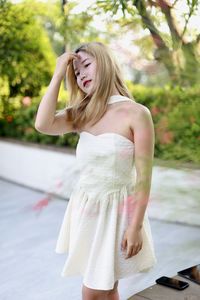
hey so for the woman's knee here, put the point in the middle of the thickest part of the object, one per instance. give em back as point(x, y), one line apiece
point(92, 293)
point(114, 290)
point(89, 293)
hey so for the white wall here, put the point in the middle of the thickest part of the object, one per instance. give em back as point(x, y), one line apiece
point(175, 192)
point(34, 166)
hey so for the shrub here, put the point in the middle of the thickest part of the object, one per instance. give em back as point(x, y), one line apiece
point(175, 114)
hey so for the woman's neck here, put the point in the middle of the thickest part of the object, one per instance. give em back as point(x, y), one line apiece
point(115, 92)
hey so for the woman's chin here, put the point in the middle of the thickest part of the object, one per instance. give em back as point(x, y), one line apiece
point(90, 92)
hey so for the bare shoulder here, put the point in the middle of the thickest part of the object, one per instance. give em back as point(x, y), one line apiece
point(134, 110)
point(138, 108)
point(138, 112)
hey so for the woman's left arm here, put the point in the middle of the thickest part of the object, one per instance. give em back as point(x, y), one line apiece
point(144, 139)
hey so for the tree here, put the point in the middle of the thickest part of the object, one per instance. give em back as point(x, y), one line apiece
point(179, 56)
point(26, 56)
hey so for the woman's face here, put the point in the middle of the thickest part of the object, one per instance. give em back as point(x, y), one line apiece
point(85, 72)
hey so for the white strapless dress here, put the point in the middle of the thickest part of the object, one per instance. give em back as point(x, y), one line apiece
point(97, 213)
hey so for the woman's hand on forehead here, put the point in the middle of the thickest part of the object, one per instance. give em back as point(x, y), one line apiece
point(77, 56)
point(77, 61)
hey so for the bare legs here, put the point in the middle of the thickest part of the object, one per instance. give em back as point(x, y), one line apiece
point(91, 294)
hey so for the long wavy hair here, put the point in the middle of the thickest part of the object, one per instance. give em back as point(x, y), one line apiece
point(83, 108)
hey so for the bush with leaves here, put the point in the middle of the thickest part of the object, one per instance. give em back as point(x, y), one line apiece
point(175, 114)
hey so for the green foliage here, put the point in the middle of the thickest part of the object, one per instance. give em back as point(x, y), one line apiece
point(175, 114)
point(26, 56)
point(177, 53)
point(67, 29)
point(19, 122)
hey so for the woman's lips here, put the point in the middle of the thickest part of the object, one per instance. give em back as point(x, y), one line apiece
point(88, 81)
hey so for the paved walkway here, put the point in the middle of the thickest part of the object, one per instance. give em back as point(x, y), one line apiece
point(30, 269)
point(175, 195)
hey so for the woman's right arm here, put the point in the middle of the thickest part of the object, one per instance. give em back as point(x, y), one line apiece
point(47, 121)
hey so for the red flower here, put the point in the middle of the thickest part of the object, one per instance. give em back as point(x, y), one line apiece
point(167, 137)
point(9, 118)
point(155, 110)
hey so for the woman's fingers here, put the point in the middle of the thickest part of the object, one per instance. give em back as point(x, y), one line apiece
point(123, 244)
point(130, 244)
point(75, 56)
point(132, 250)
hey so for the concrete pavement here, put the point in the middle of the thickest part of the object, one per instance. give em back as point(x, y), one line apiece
point(30, 269)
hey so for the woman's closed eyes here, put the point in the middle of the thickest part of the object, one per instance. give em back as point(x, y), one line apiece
point(79, 72)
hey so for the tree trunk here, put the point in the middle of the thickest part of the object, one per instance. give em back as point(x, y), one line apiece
point(162, 53)
point(181, 62)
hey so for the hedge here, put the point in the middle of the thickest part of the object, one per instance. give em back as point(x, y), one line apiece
point(175, 113)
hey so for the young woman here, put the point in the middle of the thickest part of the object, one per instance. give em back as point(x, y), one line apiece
point(105, 229)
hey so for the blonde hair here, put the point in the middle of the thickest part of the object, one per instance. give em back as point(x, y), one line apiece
point(82, 108)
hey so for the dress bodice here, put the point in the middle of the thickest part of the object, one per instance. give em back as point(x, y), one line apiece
point(105, 160)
